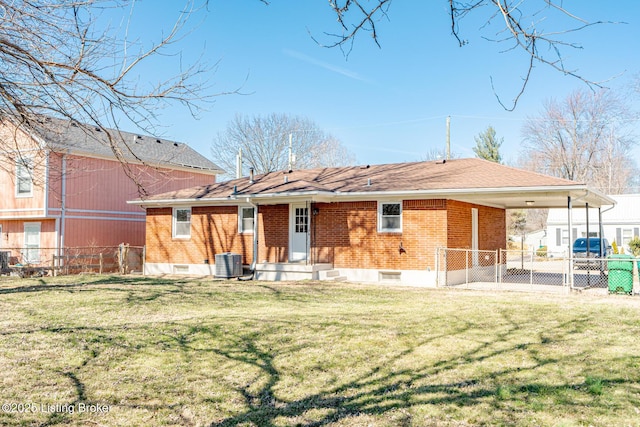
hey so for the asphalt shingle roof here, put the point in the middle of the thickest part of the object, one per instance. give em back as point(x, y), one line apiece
point(90, 140)
point(456, 174)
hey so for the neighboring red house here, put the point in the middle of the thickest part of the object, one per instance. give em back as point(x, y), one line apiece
point(61, 185)
point(364, 223)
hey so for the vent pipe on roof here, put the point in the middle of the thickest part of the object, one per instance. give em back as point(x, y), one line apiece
point(250, 175)
point(286, 179)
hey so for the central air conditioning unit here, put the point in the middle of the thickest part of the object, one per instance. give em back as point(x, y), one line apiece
point(228, 265)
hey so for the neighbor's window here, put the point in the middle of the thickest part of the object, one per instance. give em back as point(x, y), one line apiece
point(245, 220)
point(390, 217)
point(24, 177)
point(182, 223)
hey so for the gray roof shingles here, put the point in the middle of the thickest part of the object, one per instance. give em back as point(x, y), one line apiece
point(90, 140)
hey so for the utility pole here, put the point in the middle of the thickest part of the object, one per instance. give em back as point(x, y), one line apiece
point(290, 152)
point(448, 137)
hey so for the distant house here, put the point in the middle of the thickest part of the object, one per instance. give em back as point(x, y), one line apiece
point(73, 192)
point(378, 223)
point(620, 223)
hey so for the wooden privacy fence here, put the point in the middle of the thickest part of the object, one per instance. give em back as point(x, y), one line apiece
point(25, 262)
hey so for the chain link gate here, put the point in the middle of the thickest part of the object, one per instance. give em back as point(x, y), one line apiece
point(464, 266)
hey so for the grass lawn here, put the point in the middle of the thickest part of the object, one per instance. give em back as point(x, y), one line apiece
point(135, 351)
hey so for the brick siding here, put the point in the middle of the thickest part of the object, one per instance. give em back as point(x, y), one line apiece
point(344, 234)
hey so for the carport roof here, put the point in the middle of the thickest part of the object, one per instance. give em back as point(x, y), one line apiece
point(471, 180)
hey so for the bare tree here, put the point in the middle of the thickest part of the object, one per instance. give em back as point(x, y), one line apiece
point(264, 141)
point(518, 24)
point(584, 138)
point(58, 60)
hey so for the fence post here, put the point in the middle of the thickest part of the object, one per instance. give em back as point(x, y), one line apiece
point(120, 257)
point(496, 263)
point(144, 260)
point(531, 270)
point(466, 267)
point(101, 262)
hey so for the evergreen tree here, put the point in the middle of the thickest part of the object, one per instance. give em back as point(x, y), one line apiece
point(488, 146)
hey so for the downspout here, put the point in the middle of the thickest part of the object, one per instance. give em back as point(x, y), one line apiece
point(601, 228)
point(63, 203)
point(255, 240)
point(307, 240)
point(46, 185)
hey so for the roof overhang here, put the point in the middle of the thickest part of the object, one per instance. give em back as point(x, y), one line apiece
point(505, 198)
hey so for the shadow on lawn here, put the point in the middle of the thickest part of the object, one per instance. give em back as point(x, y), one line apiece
point(85, 283)
point(383, 390)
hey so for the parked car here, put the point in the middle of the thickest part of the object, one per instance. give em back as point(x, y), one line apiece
point(582, 256)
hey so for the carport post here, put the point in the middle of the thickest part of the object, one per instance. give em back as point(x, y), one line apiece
point(569, 212)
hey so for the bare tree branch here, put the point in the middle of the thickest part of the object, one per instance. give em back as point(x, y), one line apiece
point(58, 60)
point(518, 22)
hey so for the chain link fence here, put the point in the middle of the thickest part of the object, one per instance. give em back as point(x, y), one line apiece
point(522, 270)
point(463, 266)
point(35, 261)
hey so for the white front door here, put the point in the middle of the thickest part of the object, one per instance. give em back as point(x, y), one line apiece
point(298, 232)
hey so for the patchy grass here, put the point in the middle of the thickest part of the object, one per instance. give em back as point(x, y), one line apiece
point(209, 353)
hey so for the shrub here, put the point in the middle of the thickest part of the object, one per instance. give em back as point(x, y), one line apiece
point(634, 245)
point(542, 251)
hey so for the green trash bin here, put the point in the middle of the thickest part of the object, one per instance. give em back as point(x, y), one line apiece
point(620, 268)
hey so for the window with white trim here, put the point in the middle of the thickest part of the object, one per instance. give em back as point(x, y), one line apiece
point(24, 177)
point(181, 223)
point(245, 219)
point(390, 217)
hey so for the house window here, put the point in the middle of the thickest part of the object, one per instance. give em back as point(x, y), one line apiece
point(182, 223)
point(301, 218)
point(390, 217)
point(24, 177)
point(245, 220)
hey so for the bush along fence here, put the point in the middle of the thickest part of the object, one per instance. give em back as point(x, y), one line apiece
point(34, 261)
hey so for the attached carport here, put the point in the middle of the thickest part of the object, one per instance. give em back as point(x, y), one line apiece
point(569, 197)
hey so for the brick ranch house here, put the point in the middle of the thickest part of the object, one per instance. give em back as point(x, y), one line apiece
point(362, 223)
point(61, 185)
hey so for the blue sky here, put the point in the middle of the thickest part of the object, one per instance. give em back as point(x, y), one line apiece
point(385, 104)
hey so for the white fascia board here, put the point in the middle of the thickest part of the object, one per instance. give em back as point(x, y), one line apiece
point(185, 202)
point(577, 191)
